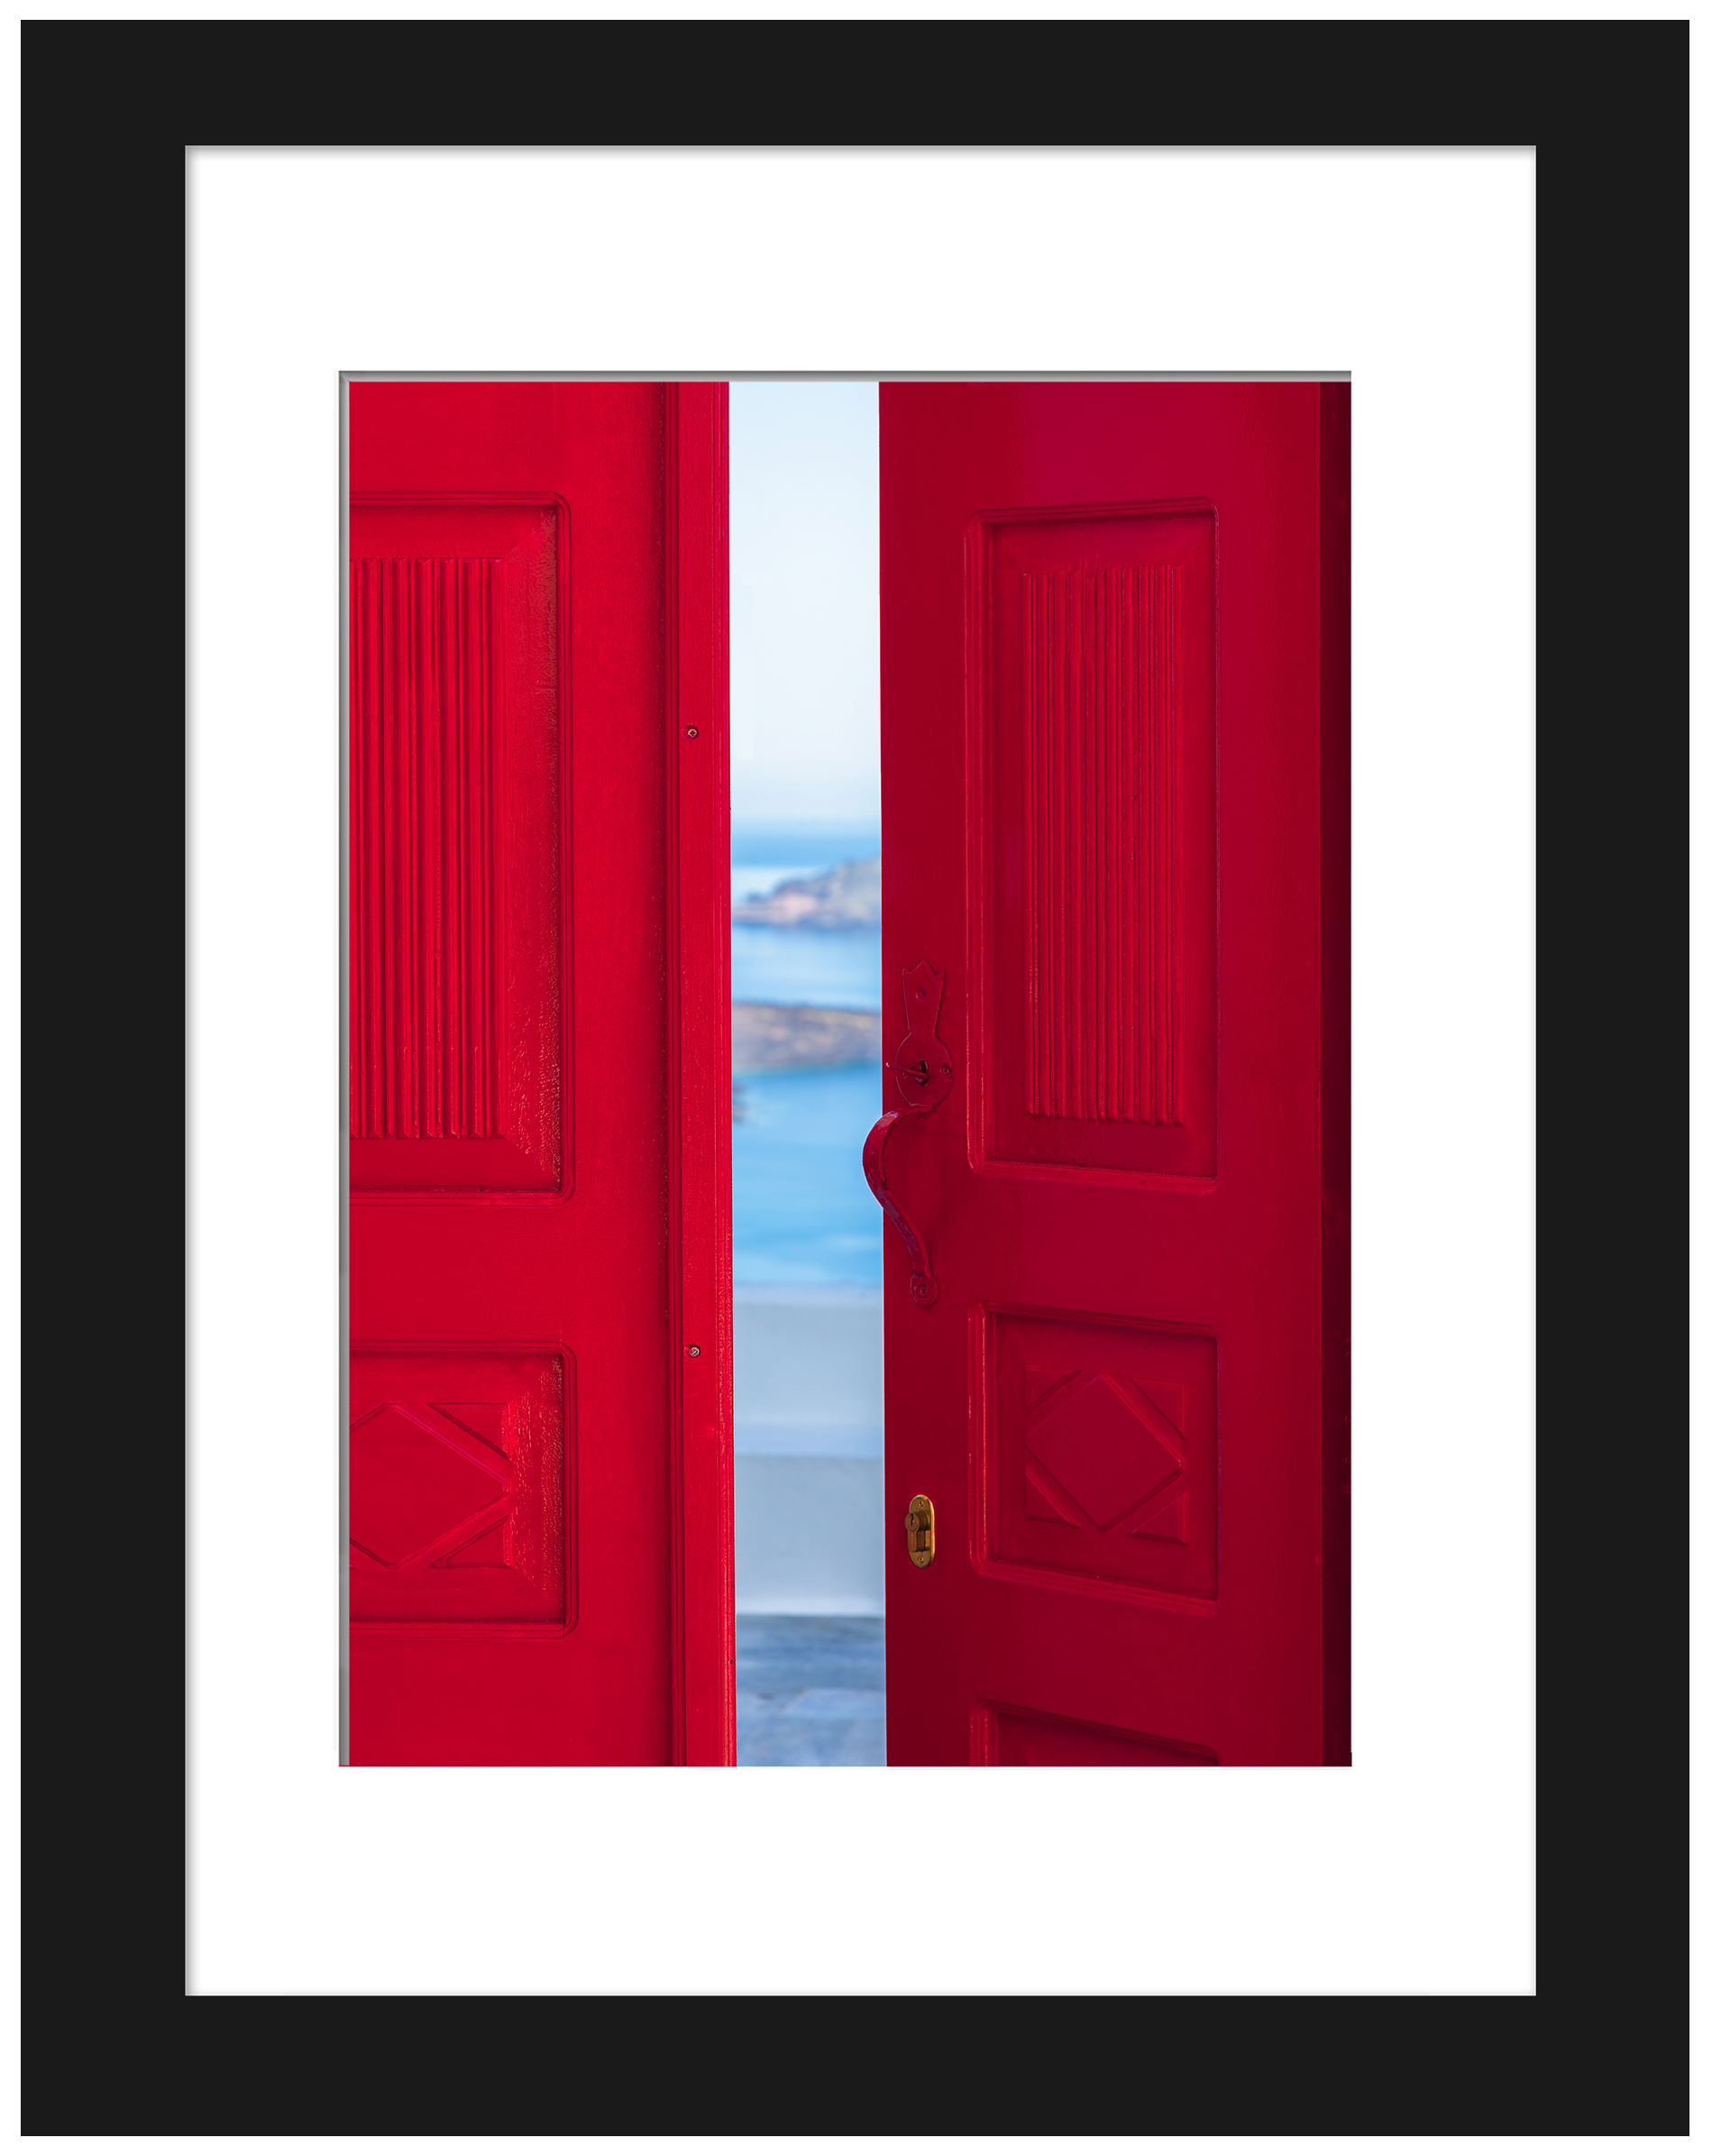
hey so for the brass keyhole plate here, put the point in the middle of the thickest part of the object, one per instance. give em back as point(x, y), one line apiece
point(917, 1530)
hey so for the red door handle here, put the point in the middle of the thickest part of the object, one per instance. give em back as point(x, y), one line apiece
point(924, 1288)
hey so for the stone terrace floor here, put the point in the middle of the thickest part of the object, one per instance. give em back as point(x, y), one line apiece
point(810, 1692)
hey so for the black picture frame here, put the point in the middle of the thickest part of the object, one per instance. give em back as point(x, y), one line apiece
point(111, 2043)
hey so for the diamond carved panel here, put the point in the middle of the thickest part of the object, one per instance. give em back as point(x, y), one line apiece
point(1099, 1455)
point(1101, 1442)
point(461, 1487)
point(412, 1487)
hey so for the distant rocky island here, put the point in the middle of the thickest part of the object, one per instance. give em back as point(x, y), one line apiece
point(766, 1036)
point(846, 897)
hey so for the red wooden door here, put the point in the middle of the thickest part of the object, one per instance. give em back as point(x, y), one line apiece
point(1114, 742)
point(539, 1454)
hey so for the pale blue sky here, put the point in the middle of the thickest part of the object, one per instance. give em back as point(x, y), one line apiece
point(805, 602)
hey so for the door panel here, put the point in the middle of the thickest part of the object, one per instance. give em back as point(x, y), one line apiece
point(457, 884)
point(1114, 702)
point(1090, 640)
point(462, 1482)
point(537, 858)
point(1005, 1737)
point(1097, 1465)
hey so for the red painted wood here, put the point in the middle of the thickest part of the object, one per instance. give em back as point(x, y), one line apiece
point(540, 1471)
point(1114, 740)
point(698, 1066)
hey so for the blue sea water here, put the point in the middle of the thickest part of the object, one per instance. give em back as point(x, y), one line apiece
point(836, 966)
point(801, 1210)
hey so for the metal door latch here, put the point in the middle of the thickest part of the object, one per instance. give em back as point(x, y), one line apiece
point(917, 1530)
point(922, 1065)
point(921, 1062)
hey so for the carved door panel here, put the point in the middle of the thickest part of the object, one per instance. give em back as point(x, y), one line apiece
point(1114, 728)
point(539, 1494)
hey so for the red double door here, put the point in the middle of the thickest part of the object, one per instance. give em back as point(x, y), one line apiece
point(1114, 682)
